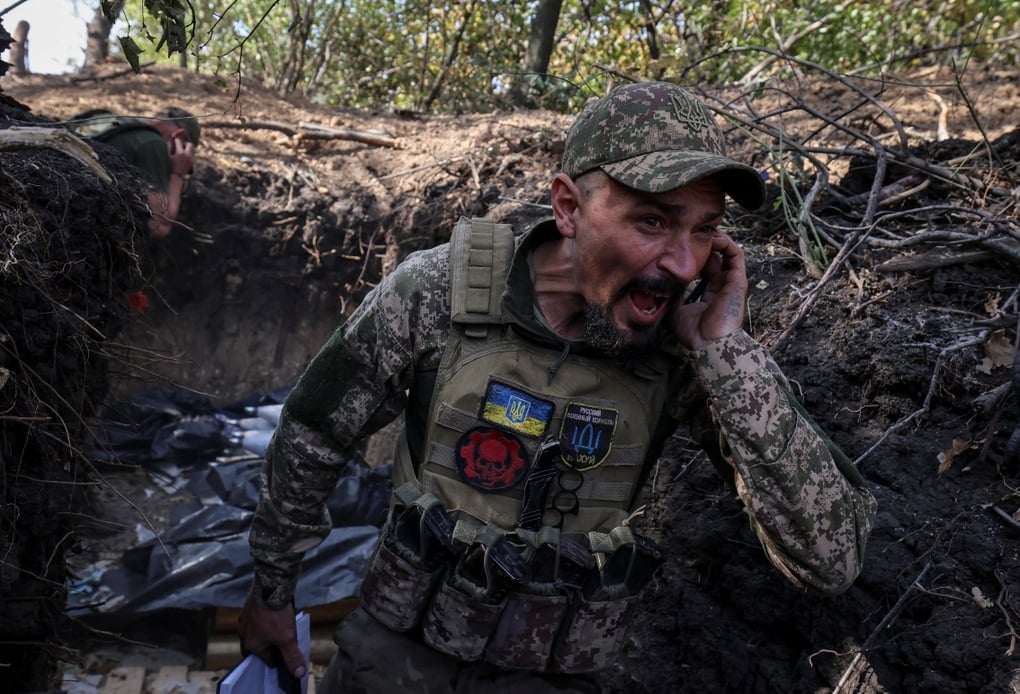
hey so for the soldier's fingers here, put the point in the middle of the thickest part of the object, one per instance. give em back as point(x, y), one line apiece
point(293, 658)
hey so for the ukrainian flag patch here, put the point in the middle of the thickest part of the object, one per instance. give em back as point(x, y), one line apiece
point(516, 410)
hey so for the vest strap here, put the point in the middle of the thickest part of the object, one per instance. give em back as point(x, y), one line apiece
point(480, 254)
point(411, 494)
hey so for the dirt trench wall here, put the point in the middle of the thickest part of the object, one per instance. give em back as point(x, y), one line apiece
point(245, 291)
point(263, 268)
point(68, 257)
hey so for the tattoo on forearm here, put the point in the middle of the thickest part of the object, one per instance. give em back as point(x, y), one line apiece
point(736, 304)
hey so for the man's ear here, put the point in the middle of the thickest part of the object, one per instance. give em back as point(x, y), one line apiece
point(566, 199)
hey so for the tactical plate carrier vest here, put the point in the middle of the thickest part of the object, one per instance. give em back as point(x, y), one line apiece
point(509, 543)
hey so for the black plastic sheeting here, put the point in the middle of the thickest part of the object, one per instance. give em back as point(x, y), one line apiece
point(170, 425)
point(203, 560)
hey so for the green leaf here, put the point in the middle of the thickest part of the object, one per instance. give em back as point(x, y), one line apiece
point(131, 52)
point(111, 9)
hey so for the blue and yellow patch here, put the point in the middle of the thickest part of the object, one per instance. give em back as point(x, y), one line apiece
point(516, 410)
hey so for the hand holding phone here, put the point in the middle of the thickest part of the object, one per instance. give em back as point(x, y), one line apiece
point(715, 306)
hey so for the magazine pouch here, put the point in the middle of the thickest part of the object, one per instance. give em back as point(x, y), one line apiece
point(593, 634)
point(466, 608)
point(408, 563)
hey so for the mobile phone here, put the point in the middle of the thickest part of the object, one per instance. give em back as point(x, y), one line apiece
point(697, 291)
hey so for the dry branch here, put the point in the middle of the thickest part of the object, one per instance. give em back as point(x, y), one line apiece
point(1001, 603)
point(895, 192)
point(930, 260)
point(830, 272)
point(322, 132)
point(310, 131)
point(252, 125)
point(785, 46)
point(975, 221)
point(424, 167)
point(110, 76)
point(882, 625)
point(932, 387)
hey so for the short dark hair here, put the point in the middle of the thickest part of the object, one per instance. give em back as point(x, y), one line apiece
point(591, 181)
point(184, 119)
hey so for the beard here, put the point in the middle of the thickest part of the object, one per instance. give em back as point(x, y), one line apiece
point(603, 334)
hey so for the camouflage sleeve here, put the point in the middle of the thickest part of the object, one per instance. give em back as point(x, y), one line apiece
point(357, 383)
point(811, 512)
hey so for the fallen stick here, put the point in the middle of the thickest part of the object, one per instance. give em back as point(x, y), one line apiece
point(252, 125)
point(844, 252)
point(112, 75)
point(930, 260)
point(1006, 517)
point(894, 192)
point(424, 167)
point(932, 387)
point(1003, 246)
point(999, 602)
point(309, 131)
point(886, 621)
point(322, 132)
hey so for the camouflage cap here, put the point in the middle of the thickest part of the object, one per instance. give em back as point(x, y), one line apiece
point(656, 136)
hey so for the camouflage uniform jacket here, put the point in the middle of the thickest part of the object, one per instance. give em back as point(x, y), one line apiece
point(811, 513)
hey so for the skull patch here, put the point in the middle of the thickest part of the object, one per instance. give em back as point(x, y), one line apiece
point(489, 459)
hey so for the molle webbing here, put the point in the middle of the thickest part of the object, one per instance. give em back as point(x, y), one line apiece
point(481, 351)
point(480, 254)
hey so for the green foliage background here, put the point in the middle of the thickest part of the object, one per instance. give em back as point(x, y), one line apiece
point(465, 56)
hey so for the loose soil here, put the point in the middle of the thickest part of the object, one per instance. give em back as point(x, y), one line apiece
point(911, 372)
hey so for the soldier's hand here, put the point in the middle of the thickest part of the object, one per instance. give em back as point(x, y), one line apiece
point(720, 311)
point(182, 156)
point(271, 635)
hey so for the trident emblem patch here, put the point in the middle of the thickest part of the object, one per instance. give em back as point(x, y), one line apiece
point(514, 409)
point(589, 431)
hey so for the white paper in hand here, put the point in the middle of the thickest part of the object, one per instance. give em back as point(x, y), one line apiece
point(253, 676)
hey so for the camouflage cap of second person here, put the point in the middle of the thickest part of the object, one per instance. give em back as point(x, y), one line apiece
point(655, 137)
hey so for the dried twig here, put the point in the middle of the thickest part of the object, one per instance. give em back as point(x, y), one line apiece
point(322, 132)
point(425, 167)
point(990, 204)
point(930, 260)
point(882, 625)
point(308, 131)
point(816, 291)
point(1004, 515)
point(785, 45)
point(896, 191)
point(932, 386)
point(284, 128)
point(1000, 603)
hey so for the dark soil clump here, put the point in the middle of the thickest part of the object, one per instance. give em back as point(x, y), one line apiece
point(68, 262)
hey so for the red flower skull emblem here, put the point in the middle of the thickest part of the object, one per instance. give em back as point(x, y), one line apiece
point(490, 459)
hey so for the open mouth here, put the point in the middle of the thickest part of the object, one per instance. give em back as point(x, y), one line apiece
point(648, 302)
